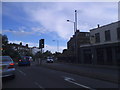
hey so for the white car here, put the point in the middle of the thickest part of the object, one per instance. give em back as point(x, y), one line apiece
point(49, 60)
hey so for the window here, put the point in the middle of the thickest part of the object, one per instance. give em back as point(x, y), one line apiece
point(87, 56)
point(118, 33)
point(87, 34)
point(107, 35)
point(97, 37)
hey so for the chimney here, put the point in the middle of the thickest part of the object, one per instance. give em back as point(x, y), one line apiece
point(20, 43)
point(26, 45)
point(98, 25)
point(77, 31)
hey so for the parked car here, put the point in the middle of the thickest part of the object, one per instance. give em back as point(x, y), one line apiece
point(24, 60)
point(49, 60)
point(7, 67)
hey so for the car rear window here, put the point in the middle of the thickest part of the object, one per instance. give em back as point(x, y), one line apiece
point(5, 59)
point(25, 58)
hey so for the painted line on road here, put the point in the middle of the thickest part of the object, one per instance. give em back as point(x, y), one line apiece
point(71, 80)
point(39, 85)
point(22, 72)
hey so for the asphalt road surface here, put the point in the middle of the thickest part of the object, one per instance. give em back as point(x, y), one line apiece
point(40, 77)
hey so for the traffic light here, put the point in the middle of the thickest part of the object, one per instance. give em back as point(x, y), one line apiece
point(41, 43)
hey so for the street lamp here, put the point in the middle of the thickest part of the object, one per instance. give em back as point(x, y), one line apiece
point(57, 45)
point(73, 23)
point(75, 29)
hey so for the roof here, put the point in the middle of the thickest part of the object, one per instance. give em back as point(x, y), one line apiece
point(106, 25)
point(18, 45)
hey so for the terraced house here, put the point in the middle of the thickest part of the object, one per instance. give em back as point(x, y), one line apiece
point(22, 50)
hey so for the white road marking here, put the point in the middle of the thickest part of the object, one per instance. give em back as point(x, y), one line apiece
point(22, 72)
point(71, 80)
point(39, 85)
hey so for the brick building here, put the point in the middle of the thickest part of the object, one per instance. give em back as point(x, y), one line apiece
point(80, 38)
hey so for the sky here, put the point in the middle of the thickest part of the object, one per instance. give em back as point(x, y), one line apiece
point(28, 22)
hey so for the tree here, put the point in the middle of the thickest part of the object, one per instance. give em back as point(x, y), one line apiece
point(0, 44)
point(4, 40)
point(4, 43)
point(47, 54)
point(8, 50)
point(57, 55)
point(39, 55)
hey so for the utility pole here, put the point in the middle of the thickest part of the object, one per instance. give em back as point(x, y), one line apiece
point(76, 46)
point(75, 38)
point(76, 20)
point(57, 45)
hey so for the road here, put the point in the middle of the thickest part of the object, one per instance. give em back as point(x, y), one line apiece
point(40, 77)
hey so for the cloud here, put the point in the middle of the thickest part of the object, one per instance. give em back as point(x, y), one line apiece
point(40, 30)
point(18, 32)
point(0, 31)
point(52, 21)
point(54, 48)
point(53, 16)
point(24, 31)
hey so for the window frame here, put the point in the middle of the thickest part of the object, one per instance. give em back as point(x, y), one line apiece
point(97, 37)
point(107, 35)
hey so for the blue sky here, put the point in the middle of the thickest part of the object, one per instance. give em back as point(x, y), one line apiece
point(30, 21)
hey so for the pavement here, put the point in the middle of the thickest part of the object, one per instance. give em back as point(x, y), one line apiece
point(106, 73)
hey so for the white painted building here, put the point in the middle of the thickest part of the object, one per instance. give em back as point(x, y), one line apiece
point(104, 48)
point(105, 34)
point(34, 50)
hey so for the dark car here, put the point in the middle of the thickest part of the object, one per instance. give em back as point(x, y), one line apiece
point(24, 60)
point(7, 68)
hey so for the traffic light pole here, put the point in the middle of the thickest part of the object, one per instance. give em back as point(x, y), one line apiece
point(41, 45)
point(41, 58)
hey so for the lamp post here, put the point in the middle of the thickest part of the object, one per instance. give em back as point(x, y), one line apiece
point(75, 29)
point(73, 23)
point(57, 45)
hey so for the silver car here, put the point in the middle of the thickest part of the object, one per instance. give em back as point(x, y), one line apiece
point(7, 67)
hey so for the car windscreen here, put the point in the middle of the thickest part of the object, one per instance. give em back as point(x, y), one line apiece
point(50, 57)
